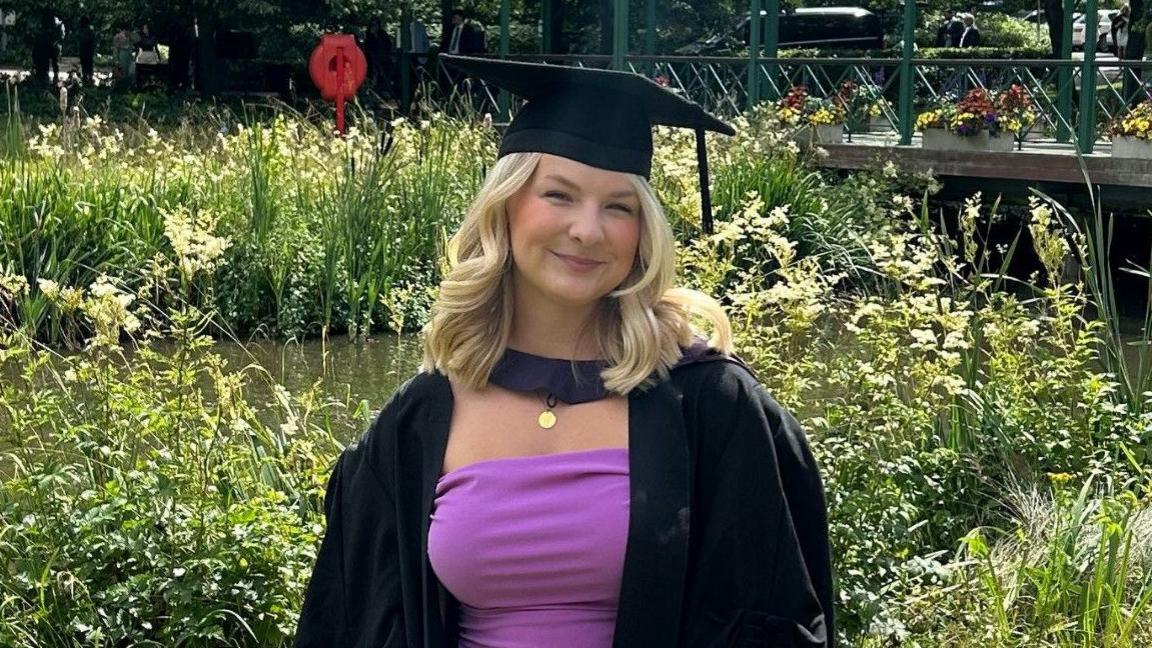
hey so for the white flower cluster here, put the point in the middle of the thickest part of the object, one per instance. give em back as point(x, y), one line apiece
point(13, 285)
point(67, 298)
point(905, 258)
point(193, 240)
point(107, 306)
point(1047, 238)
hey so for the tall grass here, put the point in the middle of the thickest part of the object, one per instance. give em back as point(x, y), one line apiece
point(13, 140)
point(315, 229)
point(1076, 572)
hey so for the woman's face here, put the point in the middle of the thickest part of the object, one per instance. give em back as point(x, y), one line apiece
point(575, 230)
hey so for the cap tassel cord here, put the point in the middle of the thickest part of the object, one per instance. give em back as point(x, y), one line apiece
point(705, 192)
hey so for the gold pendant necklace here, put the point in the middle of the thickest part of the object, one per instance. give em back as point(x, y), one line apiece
point(547, 419)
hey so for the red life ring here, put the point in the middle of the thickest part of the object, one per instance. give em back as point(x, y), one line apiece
point(322, 65)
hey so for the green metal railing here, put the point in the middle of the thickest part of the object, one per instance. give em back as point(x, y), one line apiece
point(1067, 109)
point(1074, 100)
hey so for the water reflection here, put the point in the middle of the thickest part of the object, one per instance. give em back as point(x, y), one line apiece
point(344, 371)
point(368, 370)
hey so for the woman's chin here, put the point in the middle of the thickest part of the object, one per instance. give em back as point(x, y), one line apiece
point(577, 296)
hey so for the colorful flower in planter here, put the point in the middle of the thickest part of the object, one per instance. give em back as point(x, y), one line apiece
point(974, 113)
point(1137, 122)
point(978, 111)
point(824, 116)
point(862, 101)
point(798, 107)
point(1014, 106)
point(935, 118)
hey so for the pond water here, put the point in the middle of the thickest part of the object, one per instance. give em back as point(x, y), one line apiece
point(351, 371)
point(371, 369)
point(346, 371)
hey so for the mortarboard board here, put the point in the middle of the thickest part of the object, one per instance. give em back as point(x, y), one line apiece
point(603, 118)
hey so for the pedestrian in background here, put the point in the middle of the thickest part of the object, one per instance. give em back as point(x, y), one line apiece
point(948, 35)
point(123, 62)
point(181, 45)
point(378, 53)
point(971, 35)
point(147, 52)
point(1121, 23)
point(45, 50)
point(86, 42)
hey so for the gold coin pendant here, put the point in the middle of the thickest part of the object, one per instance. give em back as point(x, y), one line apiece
point(547, 419)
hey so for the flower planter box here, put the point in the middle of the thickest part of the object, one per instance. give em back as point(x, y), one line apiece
point(810, 137)
point(878, 124)
point(939, 139)
point(815, 135)
point(831, 134)
point(1036, 135)
point(1124, 146)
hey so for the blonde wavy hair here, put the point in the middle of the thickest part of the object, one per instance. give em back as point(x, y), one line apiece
point(642, 324)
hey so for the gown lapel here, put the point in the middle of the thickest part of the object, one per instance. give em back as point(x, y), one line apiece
point(434, 441)
point(656, 558)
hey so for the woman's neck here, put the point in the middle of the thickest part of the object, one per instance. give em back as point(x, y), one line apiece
point(555, 332)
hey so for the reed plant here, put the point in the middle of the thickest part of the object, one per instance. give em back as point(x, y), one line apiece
point(13, 140)
point(314, 228)
point(1073, 569)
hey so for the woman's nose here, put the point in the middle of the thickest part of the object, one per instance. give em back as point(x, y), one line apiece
point(586, 226)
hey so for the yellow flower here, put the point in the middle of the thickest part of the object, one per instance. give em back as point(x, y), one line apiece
point(930, 119)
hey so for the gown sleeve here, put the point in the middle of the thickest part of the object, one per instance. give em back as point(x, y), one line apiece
point(354, 596)
point(762, 574)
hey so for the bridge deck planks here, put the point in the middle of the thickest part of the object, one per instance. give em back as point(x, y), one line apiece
point(1043, 161)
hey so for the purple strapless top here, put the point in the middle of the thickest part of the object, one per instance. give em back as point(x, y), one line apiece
point(533, 548)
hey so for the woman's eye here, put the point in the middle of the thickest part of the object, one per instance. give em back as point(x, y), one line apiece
point(557, 195)
point(624, 208)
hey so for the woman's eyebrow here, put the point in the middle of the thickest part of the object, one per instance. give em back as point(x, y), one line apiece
point(623, 193)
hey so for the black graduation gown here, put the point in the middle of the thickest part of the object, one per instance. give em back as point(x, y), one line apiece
point(727, 541)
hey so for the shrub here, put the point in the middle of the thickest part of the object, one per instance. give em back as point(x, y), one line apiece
point(156, 494)
point(146, 500)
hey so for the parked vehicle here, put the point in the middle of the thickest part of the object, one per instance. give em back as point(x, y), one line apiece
point(822, 27)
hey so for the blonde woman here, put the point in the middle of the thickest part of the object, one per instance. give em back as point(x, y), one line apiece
point(574, 466)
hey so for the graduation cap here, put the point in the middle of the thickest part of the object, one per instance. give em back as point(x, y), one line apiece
point(603, 118)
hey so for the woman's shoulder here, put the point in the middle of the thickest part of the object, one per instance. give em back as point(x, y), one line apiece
point(723, 391)
point(707, 371)
point(421, 391)
point(419, 394)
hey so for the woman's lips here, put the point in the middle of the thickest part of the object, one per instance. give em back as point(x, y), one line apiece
point(579, 264)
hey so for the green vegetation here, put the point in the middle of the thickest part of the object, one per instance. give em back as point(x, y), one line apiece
point(983, 444)
point(275, 226)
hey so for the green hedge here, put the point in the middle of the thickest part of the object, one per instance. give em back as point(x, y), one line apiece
point(924, 53)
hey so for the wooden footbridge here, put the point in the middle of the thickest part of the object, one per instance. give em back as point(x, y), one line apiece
point(1052, 166)
point(1075, 97)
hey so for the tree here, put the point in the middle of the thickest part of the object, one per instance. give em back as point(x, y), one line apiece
point(1054, 16)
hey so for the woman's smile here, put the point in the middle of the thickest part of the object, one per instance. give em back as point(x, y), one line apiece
point(578, 263)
